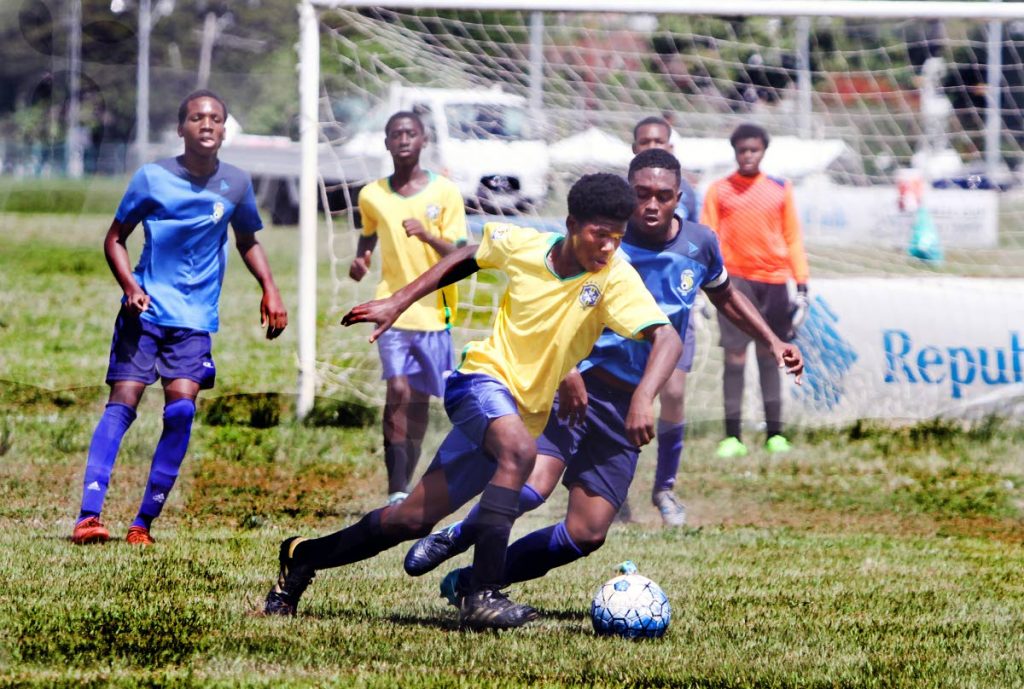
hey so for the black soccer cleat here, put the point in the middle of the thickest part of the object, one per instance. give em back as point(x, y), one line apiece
point(430, 551)
point(292, 581)
point(491, 609)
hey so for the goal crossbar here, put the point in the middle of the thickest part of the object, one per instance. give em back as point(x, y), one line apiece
point(877, 9)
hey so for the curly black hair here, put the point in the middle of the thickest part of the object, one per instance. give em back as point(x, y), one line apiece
point(601, 195)
point(748, 131)
point(201, 93)
point(655, 157)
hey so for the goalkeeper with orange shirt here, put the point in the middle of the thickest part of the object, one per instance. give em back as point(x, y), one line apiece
point(759, 231)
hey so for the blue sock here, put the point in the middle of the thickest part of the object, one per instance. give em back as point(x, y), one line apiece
point(536, 553)
point(670, 451)
point(529, 499)
point(106, 440)
point(170, 451)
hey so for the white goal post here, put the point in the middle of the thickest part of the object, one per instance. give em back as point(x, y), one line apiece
point(311, 90)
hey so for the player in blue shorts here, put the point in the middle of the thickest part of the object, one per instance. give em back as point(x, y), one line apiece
point(656, 132)
point(563, 290)
point(418, 216)
point(170, 303)
point(586, 435)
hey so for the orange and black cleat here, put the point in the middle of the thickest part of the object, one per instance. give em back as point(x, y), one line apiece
point(90, 530)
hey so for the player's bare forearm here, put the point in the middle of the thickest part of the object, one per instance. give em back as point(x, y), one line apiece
point(666, 348)
point(364, 250)
point(115, 249)
point(384, 312)
point(273, 314)
point(738, 309)
point(441, 246)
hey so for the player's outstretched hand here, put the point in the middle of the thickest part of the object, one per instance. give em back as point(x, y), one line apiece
point(789, 357)
point(414, 228)
point(136, 301)
point(360, 267)
point(572, 398)
point(383, 312)
point(273, 315)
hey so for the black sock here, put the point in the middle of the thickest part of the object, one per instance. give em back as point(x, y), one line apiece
point(360, 541)
point(771, 394)
point(396, 460)
point(412, 458)
point(498, 510)
point(732, 394)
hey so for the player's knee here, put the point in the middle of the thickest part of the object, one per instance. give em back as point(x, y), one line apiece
point(405, 524)
point(179, 413)
point(589, 541)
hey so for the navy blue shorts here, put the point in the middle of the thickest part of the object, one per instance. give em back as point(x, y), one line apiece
point(689, 348)
point(771, 300)
point(597, 453)
point(424, 356)
point(143, 352)
point(472, 402)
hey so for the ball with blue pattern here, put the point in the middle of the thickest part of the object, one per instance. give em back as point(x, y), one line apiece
point(631, 606)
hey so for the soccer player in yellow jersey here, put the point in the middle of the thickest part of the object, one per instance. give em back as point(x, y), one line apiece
point(562, 292)
point(418, 218)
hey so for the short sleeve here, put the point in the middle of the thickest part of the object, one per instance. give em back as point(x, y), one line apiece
point(368, 215)
point(246, 217)
point(716, 274)
point(136, 203)
point(629, 307)
point(453, 217)
point(499, 241)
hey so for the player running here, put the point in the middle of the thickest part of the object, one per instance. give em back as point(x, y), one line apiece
point(170, 303)
point(419, 217)
point(586, 436)
point(562, 292)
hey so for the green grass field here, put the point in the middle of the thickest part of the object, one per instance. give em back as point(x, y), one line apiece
point(868, 557)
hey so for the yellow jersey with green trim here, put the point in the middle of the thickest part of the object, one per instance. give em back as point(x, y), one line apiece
point(546, 324)
point(440, 209)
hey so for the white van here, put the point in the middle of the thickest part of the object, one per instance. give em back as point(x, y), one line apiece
point(486, 141)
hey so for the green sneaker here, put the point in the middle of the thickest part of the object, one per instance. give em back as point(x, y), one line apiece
point(732, 447)
point(777, 443)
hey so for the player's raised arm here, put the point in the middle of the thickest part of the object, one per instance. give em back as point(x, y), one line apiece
point(457, 265)
point(116, 251)
point(666, 347)
point(273, 314)
point(738, 309)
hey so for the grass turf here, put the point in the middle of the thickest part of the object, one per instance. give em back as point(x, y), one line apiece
point(869, 557)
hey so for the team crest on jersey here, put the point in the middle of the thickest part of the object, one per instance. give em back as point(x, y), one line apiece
point(218, 211)
point(686, 281)
point(433, 211)
point(499, 230)
point(590, 295)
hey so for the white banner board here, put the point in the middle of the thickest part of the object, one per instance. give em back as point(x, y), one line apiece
point(833, 214)
point(906, 349)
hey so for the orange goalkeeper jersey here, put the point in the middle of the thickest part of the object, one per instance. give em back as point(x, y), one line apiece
point(757, 225)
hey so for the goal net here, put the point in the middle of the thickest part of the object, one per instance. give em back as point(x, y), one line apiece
point(902, 135)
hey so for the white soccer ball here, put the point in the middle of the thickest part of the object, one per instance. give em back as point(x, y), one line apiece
point(631, 606)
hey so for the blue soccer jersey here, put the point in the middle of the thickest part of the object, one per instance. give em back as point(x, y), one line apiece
point(673, 272)
point(185, 248)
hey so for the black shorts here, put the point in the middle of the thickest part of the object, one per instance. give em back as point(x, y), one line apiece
point(771, 301)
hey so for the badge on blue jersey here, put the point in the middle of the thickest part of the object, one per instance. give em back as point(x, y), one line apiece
point(218, 211)
point(590, 295)
point(686, 281)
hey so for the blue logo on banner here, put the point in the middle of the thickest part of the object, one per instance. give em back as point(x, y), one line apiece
point(956, 366)
point(827, 357)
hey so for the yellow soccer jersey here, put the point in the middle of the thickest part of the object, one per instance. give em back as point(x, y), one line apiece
point(440, 208)
point(546, 324)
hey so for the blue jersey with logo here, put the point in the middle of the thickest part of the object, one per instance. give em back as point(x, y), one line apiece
point(185, 248)
point(673, 272)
